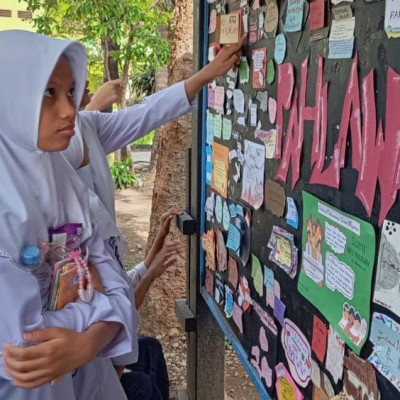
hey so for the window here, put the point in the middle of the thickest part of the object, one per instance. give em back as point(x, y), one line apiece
point(25, 14)
point(5, 13)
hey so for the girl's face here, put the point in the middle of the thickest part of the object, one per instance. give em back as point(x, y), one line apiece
point(57, 117)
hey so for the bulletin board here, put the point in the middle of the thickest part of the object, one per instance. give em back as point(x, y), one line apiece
point(301, 169)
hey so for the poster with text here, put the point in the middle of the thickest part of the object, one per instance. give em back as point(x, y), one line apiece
point(337, 265)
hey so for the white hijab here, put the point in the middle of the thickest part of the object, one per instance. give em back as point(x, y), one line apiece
point(38, 189)
point(105, 222)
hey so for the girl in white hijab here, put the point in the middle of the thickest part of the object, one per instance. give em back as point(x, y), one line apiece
point(42, 82)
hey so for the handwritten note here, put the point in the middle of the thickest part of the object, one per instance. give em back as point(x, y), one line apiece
point(294, 16)
point(229, 28)
point(220, 169)
point(272, 110)
point(208, 165)
point(286, 389)
point(256, 274)
point(226, 128)
point(392, 18)
point(213, 21)
point(233, 241)
point(342, 12)
point(259, 57)
point(238, 100)
point(334, 355)
point(262, 97)
point(219, 99)
point(292, 215)
point(280, 48)
point(253, 174)
point(269, 284)
point(271, 18)
point(298, 352)
point(319, 338)
point(253, 113)
point(275, 198)
point(385, 336)
point(218, 126)
point(210, 128)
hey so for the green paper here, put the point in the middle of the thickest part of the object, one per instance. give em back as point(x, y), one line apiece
point(257, 275)
point(244, 71)
point(217, 126)
point(270, 72)
point(337, 265)
point(226, 128)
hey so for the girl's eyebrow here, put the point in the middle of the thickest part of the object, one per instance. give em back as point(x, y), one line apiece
point(60, 82)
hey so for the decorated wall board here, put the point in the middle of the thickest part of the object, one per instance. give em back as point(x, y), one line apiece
point(301, 213)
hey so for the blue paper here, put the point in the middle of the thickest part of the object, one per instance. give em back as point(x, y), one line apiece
point(226, 216)
point(232, 210)
point(239, 210)
point(279, 310)
point(238, 223)
point(233, 241)
point(292, 215)
point(210, 128)
point(385, 336)
point(208, 165)
point(280, 48)
point(269, 279)
point(341, 48)
point(228, 302)
point(294, 16)
point(218, 209)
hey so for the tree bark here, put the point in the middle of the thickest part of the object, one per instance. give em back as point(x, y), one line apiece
point(170, 178)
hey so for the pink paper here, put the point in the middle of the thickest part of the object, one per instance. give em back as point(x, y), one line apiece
point(233, 272)
point(286, 389)
point(259, 67)
point(277, 289)
point(238, 317)
point(266, 372)
point(319, 338)
point(298, 352)
point(213, 21)
point(272, 110)
point(270, 298)
point(219, 99)
point(209, 282)
point(263, 340)
point(210, 97)
point(317, 14)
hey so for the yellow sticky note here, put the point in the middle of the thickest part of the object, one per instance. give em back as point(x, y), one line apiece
point(283, 251)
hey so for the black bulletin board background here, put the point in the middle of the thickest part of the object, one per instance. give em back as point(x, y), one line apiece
point(375, 51)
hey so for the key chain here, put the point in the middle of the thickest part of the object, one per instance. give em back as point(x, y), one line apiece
point(85, 295)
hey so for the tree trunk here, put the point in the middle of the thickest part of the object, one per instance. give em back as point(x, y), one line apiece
point(169, 191)
point(161, 82)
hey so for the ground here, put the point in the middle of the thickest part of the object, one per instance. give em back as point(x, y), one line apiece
point(133, 208)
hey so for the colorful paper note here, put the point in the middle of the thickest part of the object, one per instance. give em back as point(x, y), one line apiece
point(275, 198)
point(209, 282)
point(279, 310)
point(262, 97)
point(341, 39)
point(317, 14)
point(226, 216)
point(298, 352)
point(222, 254)
point(280, 48)
point(359, 374)
point(271, 18)
point(272, 110)
point(269, 284)
point(208, 245)
point(294, 16)
point(253, 113)
point(226, 128)
point(238, 100)
point(292, 216)
point(270, 72)
point(213, 21)
point(387, 281)
point(244, 71)
point(253, 174)
point(228, 309)
point(257, 275)
point(319, 337)
point(218, 209)
point(283, 250)
point(233, 276)
point(334, 355)
point(286, 389)
point(233, 241)
point(229, 31)
point(244, 299)
point(219, 99)
point(220, 169)
point(218, 126)
point(238, 317)
point(385, 336)
point(392, 18)
point(337, 265)
point(259, 57)
point(208, 165)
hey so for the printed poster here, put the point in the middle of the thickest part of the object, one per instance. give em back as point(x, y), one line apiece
point(387, 281)
point(337, 265)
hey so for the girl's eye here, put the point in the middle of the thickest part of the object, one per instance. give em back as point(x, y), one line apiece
point(49, 92)
point(71, 92)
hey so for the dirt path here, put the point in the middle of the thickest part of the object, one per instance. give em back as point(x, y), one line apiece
point(133, 208)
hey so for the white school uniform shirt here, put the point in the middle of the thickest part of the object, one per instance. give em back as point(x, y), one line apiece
point(105, 133)
point(39, 190)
